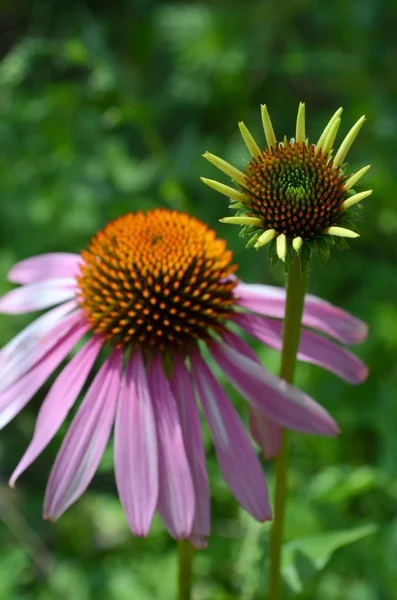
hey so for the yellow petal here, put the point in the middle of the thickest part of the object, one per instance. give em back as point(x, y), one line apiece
point(251, 144)
point(324, 134)
point(356, 198)
point(226, 190)
point(241, 220)
point(347, 142)
point(354, 178)
point(226, 167)
point(341, 232)
point(300, 124)
point(331, 137)
point(268, 127)
point(281, 246)
point(265, 238)
point(297, 243)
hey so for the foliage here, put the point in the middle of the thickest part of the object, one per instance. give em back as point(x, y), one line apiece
point(107, 107)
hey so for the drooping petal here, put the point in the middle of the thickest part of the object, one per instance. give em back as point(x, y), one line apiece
point(313, 348)
point(15, 397)
point(265, 432)
point(27, 348)
point(238, 461)
point(58, 402)
point(182, 387)
point(275, 398)
point(45, 266)
point(28, 337)
point(318, 314)
point(176, 502)
point(85, 442)
point(136, 456)
point(37, 296)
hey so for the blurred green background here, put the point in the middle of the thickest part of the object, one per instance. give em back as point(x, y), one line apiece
point(106, 107)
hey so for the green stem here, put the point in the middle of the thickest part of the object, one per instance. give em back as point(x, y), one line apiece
point(296, 287)
point(186, 552)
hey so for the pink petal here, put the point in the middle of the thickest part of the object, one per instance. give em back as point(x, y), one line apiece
point(183, 391)
point(136, 458)
point(269, 300)
point(27, 339)
point(313, 348)
point(37, 296)
point(27, 349)
point(58, 402)
point(45, 266)
point(275, 398)
point(265, 432)
point(176, 502)
point(239, 464)
point(14, 398)
point(85, 442)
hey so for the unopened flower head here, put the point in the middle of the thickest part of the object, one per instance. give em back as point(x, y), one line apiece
point(151, 293)
point(293, 194)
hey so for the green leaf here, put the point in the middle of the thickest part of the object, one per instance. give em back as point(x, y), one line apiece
point(304, 558)
point(341, 483)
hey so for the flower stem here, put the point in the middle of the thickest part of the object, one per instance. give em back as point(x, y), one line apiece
point(296, 287)
point(186, 552)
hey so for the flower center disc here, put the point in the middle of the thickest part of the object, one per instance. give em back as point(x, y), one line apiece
point(156, 280)
point(295, 192)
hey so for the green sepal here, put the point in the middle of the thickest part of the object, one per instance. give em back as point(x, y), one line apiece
point(242, 232)
point(305, 255)
point(272, 252)
point(237, 206)
point(323, 251)
point(248, 230)
point(289, 257)
point(241, 213)
point(340, 243)
point(252, 241)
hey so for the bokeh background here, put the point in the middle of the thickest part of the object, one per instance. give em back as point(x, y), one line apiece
point(106, 107)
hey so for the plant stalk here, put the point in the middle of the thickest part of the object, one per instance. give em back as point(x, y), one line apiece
point(296, 288)
point(186, 553)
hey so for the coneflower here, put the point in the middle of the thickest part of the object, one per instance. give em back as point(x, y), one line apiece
point(150, 293)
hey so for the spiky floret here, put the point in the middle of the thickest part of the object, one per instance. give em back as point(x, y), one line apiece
point(159, 280)
point(293, 194)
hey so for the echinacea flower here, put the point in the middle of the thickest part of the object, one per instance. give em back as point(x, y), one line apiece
point(294, 194)
point(152, 291)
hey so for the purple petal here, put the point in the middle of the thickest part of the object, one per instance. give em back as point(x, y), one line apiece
point(136, 458)
point(266, 433)
point(239, 464)
point(58, 402)
point(176, 502)
point(37, 296)
point(269, 301)
point(313, 348)
point(45, 266)
point(15, 397)
point(275, 398)
point(183, 391)
point(85, 442)
point(27, 349)
point(28, 338)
